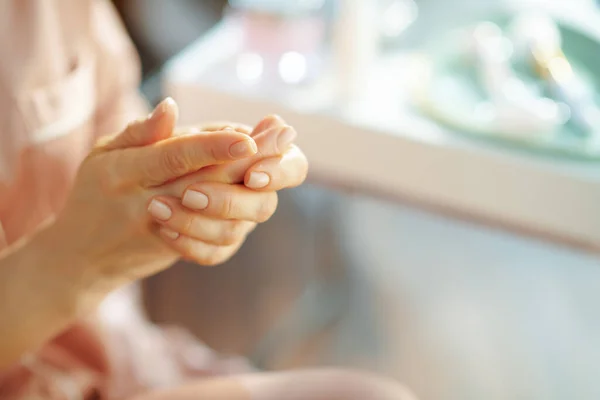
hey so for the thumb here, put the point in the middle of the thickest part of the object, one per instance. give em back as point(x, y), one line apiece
point(157, 126)
point(270, 121)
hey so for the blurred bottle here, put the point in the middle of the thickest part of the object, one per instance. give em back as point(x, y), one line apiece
point(398, 15)
point(355, 47)
point(282, 40)
point(360, 29)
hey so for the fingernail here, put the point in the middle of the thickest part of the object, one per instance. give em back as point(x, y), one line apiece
point(162, 107)
point(195, 200)
point(258, 180)
point(169, 233)
point(286, 137)
point(275, 120)
point(243, 148)
point(159, 210)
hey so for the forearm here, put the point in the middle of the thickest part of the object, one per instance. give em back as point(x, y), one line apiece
point(39, 297)
point(325, 384)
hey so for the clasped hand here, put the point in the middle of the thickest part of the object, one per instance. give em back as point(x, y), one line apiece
point(151, 194)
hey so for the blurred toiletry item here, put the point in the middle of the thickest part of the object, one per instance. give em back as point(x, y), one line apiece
point(539, 40)
point(282, 40)
point(355, 47)
point(516, 109)
point(398, 15)
point(360, 27)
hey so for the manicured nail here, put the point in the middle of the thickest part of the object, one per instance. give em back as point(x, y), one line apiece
point(258, 180)
point(274, 120)
point(195, 200)
point(167, 103)
point(169, 233)
point(243, 148)
point(160, 210)
point(162, 107)
point(286, 137)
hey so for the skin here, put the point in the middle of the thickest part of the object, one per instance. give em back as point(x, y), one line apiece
point(211, 235)
point(325, 384)
point(105, 237)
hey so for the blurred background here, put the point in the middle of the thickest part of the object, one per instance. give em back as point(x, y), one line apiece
point(448, 234)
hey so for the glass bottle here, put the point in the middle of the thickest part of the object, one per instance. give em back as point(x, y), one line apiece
point(282, 41)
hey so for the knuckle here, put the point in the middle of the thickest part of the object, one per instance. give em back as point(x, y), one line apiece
point(212, 258)
point(204, 230)
point(187, 254)
point(231, 234)
point(174, 163)
point(214, 154)
point(198, 252)
point(109, 180)
point(202, 253)
point(189, 225)
point(189, 248)
point(227, 208)
point(267, 207)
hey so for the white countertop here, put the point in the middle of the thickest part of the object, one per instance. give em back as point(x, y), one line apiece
point(466, 311)
point(377, 148)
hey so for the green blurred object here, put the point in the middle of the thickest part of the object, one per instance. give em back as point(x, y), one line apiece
point(451, 94)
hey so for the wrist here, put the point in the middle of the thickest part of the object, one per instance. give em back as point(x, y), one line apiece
point(63, 269)
point(39, 295)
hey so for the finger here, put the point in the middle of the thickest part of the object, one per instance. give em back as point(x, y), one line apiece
point(234, 172)
point(225, 201)
point(157, 126)
point(219, 126)
point(168, 212)
point(275, 140)
point(203, 253)
point(278, 173)
point(178, 156)
point(269, 144)
point(270, 121)
point(326, 383)
point(214, 126)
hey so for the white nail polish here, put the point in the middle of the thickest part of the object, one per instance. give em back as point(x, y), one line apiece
point(159, 210)
point(195, 200)
point(258, 180)
point(169, 233)
point(286, 137)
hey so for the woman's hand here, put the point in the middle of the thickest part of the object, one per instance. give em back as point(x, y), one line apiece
point(103, 238)
point(285, 170)
point(211, 212)
point(105, 223)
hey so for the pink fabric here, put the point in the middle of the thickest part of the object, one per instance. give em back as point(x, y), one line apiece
point(68, 75)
